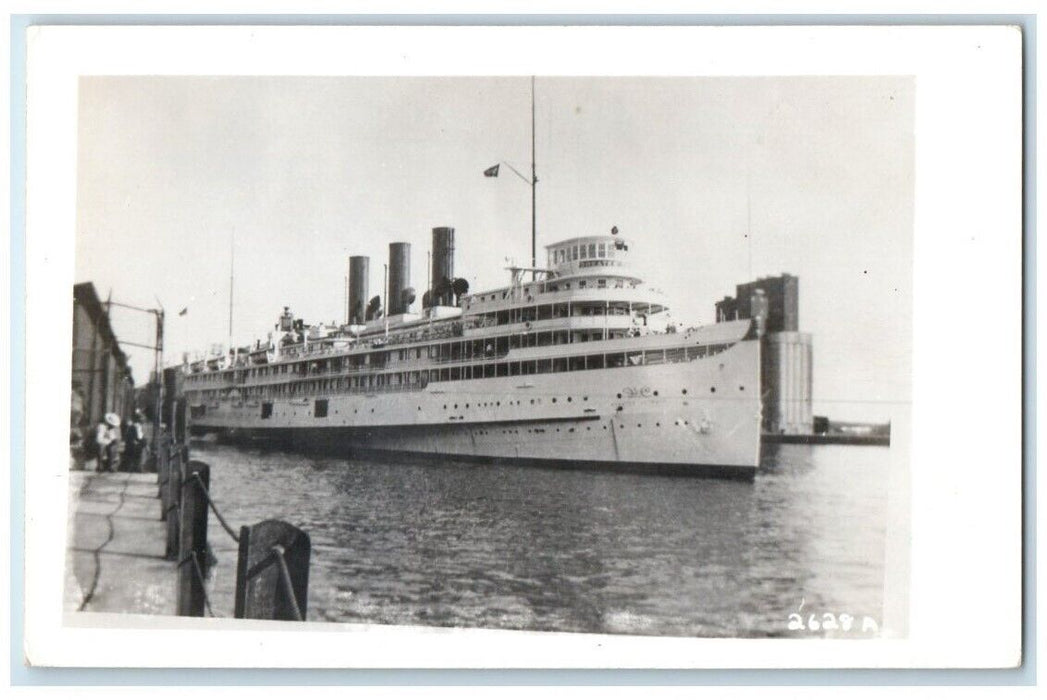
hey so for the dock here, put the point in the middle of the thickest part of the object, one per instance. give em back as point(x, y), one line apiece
point(115, 552)
point(827, 439)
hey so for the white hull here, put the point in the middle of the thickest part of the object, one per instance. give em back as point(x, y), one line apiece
point(701, 416)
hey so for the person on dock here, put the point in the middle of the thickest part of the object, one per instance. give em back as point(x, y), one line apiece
point(107, 438)
point(134, 439)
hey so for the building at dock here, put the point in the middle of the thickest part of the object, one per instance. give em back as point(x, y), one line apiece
point(787, 353)
point(101, 377)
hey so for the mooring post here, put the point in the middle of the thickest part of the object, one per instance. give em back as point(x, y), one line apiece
point(163, 463)
point(172, 496)
point(272, 572)
point(192, 548)
point(180, 420)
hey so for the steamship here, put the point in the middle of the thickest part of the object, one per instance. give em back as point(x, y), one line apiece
point(563, 367)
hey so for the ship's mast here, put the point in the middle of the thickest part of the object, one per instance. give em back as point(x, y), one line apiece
point(232, 254)
point(534, 183)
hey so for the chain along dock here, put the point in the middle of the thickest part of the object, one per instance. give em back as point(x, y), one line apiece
point(138, 543)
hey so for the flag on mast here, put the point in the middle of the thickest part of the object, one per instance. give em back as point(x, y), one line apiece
point(492, 171)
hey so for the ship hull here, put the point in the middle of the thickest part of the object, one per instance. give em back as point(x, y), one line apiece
point(696, 418)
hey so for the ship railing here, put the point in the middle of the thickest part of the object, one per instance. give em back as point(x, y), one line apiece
point(320, 348)
point(420, 385)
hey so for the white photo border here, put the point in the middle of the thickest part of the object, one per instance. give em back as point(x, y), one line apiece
point(965, 602)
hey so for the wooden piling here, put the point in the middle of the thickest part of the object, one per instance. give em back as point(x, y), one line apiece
point(272, 572)
point(172, 499)
point(192, 549)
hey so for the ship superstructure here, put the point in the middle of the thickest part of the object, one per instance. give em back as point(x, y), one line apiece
point(563, 367)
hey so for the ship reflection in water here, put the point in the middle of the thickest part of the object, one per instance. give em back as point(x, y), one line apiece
point(525, 548)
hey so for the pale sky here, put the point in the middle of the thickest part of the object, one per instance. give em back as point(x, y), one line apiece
point(304, 172)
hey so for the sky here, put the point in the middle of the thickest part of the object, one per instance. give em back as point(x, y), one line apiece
point(714, 181)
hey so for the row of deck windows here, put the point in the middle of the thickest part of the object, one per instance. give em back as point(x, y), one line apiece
point(580, 252)
point(403, 381)
point(442, 352)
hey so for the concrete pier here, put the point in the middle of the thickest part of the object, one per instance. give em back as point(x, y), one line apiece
point(115, 557)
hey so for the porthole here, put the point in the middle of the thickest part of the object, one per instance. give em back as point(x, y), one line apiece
point(685, 392)
point(568, 399)
point(712, 389)
point(655, 392)
point(554, 399)
point(620, 396)
point(741, 388)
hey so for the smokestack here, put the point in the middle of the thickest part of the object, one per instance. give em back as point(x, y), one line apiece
point(399, 277)
point(359, 273)
point(443, 266)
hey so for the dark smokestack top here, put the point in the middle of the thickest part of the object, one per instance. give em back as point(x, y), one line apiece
point(443, 266)
point(399, 277)
point(359, 276)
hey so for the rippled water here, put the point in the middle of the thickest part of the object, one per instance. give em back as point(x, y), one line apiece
point(523, 548)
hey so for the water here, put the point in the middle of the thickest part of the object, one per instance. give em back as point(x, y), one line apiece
point(522, 548)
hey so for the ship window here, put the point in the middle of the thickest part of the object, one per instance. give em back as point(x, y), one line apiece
point(574, 252)
point(559, 364)
point(582, 253)
point(592, 250)
point(594, 362)
point(601, 251)
point(488, 371)
point(514, 369)
point(601, 283)
point(319, 408)
point(267, 410)
point(456, 373)
point(576, 363)
point(676, 355)
point(581, 284)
